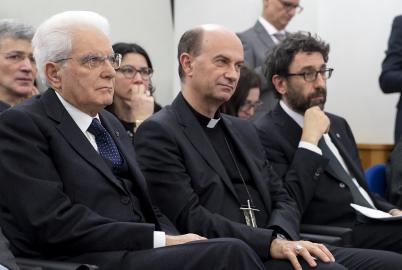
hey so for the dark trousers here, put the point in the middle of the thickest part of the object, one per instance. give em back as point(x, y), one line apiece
point(214, 254)
point(349, 258)
point(386, 235)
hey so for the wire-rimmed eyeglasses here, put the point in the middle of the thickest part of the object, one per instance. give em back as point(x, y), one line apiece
point(96, 61)
point(289, 6)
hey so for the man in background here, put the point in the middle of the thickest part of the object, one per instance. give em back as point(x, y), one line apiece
point(17, 65)
point(269, 30)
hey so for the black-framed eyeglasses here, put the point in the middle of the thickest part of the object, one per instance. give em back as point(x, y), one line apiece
point(17, 56)
point(289, 6)
point(311, 76)
point(249, 104)
point(95, 61)
point(129, 72)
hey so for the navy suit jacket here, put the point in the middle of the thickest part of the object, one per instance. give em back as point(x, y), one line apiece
point(189, 182)
point(322, 198)
point(59, 198)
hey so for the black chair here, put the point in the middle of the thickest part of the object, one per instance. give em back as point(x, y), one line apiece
point(34, 264)
point(332, 235)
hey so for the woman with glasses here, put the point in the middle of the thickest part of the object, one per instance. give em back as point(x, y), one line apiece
point(246, 97)
point(133, 101)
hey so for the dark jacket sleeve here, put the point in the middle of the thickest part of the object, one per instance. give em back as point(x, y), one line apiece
point(33, 194)
point(391, 74)
point(163, 162)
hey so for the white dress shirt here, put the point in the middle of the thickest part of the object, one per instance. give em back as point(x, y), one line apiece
point(83, 121)
point(271, 30)
point(299, 119)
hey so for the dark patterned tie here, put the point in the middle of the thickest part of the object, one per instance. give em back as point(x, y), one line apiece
point(336, 168)
point(106, 146)
point(279, 36)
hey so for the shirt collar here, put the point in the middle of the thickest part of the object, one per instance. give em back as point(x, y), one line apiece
point(203, 120)
point(297, 117)
point(82, 119)
point(269, 27)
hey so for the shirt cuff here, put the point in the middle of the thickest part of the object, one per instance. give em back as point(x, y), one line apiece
point(310, 146)
point(159, 239)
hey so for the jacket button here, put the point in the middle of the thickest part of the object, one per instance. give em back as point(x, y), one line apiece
point(124, 200)
point(341, 185)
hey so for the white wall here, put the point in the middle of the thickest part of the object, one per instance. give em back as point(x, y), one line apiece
point(357, 30)
point(146, 22)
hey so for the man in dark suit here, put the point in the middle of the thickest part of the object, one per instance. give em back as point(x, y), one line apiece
point(17, 65)
point(315, 152)
point(209, 174)
point(391, 74)
point(71, 187)
point(258, 40)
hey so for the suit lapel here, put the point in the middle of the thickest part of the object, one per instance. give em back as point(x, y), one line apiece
point(256, 175)
point(263, 35)
point(74, 136)
point(197, 137)
point(290, 129)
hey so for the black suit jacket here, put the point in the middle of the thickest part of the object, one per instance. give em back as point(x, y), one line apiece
point(322, 197)
point(59, 198)
point(188, 180)
point(3, 106)
point(391, 74)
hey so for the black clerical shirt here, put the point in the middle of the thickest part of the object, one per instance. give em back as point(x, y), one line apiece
point(217, 136)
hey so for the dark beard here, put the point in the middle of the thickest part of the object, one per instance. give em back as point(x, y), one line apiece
point(300, 104)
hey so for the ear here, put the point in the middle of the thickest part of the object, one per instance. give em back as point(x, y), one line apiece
point(52, 73)
point(186, 63)
point(280, 84)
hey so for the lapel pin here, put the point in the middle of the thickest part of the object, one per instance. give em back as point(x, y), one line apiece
point(338, 136)
point(117, 133)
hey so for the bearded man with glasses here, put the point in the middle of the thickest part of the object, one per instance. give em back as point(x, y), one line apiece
point(299, 136)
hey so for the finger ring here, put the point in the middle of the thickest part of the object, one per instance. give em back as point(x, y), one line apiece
point(298, 248)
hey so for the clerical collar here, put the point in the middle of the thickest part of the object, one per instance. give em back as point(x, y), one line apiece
point(204, 121)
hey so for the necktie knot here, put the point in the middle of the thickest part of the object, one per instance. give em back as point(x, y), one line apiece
point(106, 145)
point(279, 36)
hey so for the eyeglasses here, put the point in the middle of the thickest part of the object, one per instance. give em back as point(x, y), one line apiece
point(289, 6)
point(130, 72)
point(17, 57)
point(311, 76)
point(249, 104)
point(94, 61)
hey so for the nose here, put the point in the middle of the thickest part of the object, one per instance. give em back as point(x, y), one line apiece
point(320, 81)
point(108, 71)
point(232, 73)
point(27, 65)
point(137, 79)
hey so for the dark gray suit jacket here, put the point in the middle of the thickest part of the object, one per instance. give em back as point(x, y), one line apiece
point(190, 184)
point(315, 189)
point(257, 43)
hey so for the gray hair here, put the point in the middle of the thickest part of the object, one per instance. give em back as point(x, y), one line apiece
point(53, 38)
point(10, 28)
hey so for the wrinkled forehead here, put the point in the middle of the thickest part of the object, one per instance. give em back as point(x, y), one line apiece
point(15, 44)
point(89, 39)
point(221, 41)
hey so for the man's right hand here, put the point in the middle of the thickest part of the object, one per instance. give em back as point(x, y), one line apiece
point(290, 250)
point(172, 240)
point(316, 123)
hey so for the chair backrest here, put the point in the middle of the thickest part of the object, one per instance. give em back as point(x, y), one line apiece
point(375, 177)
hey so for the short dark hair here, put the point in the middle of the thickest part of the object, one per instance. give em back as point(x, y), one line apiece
point(125, 48)
point(281, 56)
point(248, 79)
point(190, 42)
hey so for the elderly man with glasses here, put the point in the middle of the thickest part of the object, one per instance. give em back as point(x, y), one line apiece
point(269, 30)
point(300, 137)
point(71, 187)
point(17, 65)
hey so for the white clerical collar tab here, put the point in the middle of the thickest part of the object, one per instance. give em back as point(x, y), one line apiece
point(212, 123)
